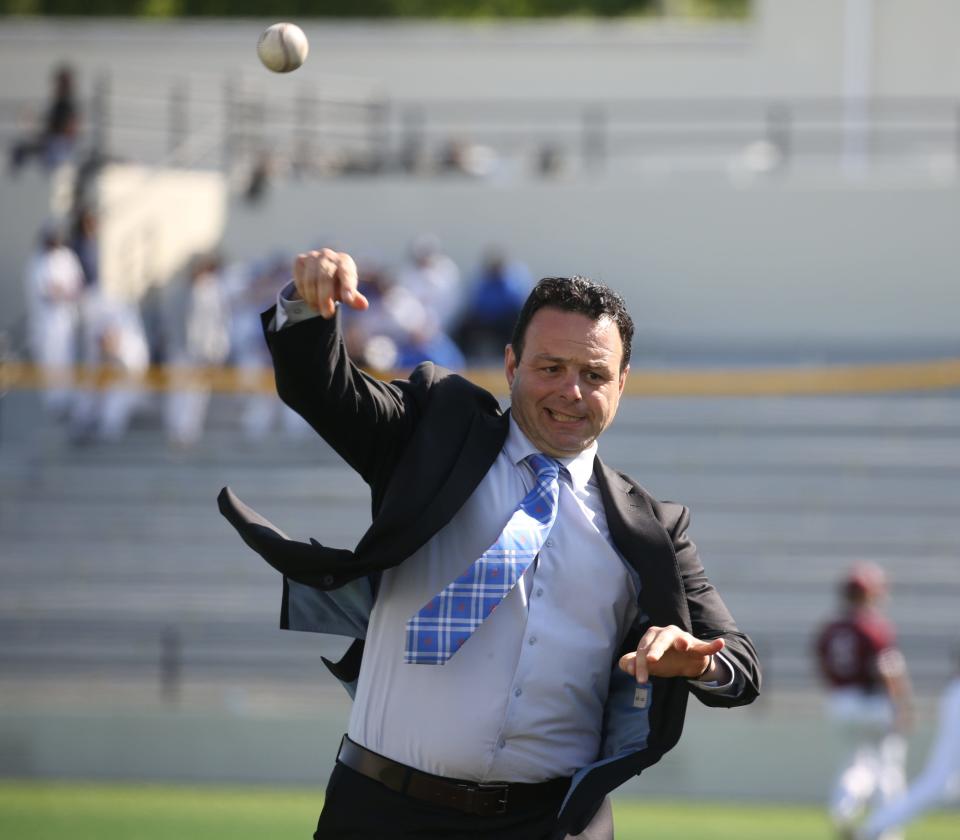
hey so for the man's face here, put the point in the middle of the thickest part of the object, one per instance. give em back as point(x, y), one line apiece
point(566, 387)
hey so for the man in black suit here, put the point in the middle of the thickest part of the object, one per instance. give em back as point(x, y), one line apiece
point(479, 715)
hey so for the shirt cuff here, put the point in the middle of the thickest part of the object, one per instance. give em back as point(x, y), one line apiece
point(290, 311)
point(724, 679)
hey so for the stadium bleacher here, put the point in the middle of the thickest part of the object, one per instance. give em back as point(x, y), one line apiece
point(105, 547)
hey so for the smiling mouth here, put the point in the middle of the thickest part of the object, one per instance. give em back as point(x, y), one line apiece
point(562, 418)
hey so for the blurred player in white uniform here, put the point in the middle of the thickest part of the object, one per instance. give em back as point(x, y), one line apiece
point(869, 697)
point(115, 345)
point(940, 780)
point(434, 279)
point(54, 282)
point(205, 320)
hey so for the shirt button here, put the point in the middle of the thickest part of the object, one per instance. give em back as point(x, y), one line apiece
point(517, 692)
point(532, 640)
point(549, 543)
point(539, 591)
point(501, 743)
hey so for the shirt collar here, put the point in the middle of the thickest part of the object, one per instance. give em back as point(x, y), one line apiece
point(580, 466)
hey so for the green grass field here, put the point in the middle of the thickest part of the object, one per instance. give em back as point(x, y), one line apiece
point(34, 811)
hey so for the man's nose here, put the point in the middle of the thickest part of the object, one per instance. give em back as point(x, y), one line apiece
point(571, 387)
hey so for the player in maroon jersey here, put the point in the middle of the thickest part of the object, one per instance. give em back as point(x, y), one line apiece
point(869, 696)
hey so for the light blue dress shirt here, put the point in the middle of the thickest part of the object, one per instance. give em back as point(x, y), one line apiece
point(523, 699)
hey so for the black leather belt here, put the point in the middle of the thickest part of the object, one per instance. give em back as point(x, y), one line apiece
point(469, 797)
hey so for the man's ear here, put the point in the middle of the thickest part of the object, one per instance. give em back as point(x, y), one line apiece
point(509, 364)
point(623, 378)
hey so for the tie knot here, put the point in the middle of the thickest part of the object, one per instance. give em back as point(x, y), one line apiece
point(543, 465)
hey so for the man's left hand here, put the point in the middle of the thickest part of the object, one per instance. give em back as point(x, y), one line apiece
point(670, 652)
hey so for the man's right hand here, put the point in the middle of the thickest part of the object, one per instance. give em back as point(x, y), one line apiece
point(324, 277)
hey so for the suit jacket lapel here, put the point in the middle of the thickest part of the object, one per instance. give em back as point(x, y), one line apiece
point(646, 545)
point(397, 537)
point(484, 440)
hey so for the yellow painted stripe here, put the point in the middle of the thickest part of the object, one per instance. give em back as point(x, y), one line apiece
point(938, 375)
point(942, 375)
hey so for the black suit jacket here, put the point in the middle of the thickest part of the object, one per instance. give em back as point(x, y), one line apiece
point(423, 445)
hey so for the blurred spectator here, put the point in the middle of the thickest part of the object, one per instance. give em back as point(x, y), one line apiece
point(54, 281)
point(204, 343)
point(939, 782)
point(499, 290)
point(400, 331)
point(115, 347)
point(260, 177)
point(86, 245)
point(434, 280)
point(466, 158)
point(252, 289)
point(372, 340)
point(436, 347)
point(550, 161)
point(55, 142)
point(869, 696)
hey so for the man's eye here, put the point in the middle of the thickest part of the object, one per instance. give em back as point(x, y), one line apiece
point(550, 369)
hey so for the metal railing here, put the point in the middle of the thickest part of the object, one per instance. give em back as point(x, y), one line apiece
point(317, 133)
point(542, 137)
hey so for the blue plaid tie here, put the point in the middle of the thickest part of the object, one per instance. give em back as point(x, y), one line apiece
point(440, 627)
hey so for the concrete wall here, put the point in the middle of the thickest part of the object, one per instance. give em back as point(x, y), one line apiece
point(783, 754)
point(795, 267)
point(916, 48)
point(790, 266)
point(152, 222)
point(786, 49)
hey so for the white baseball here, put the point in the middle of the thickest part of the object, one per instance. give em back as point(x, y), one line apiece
point(283, 47)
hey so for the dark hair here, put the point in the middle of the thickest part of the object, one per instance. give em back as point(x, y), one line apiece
point(575, 294)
